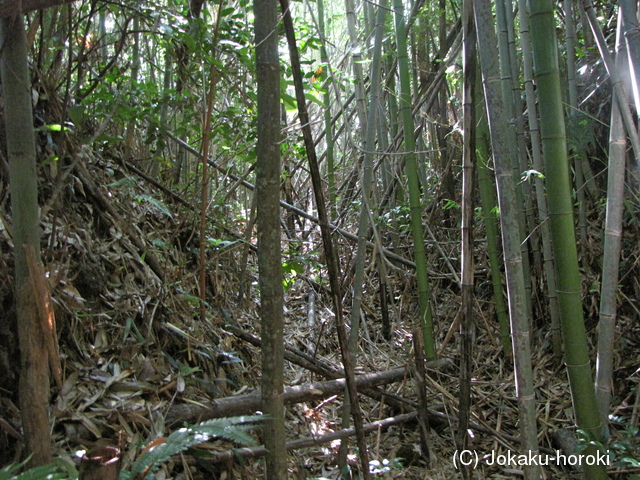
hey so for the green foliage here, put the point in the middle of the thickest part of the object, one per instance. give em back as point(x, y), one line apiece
point(625, 449)
point(57, 470)
point(232, 428)
point(291, 268)
point(450, 204)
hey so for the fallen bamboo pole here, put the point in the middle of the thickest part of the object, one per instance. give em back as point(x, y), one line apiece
point(251, 402)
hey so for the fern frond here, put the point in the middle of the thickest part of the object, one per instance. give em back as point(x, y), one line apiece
point(231, 428)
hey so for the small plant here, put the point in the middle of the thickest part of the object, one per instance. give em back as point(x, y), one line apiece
point(625, 449)
point(57, 470)
point(232, 428)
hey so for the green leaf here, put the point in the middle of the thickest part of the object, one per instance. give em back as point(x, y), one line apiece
point(57, 470)
point(312, 98)
point(156, 203)
point(289, 102)
point(123, 182)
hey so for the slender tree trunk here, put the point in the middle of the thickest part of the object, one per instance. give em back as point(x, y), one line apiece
point(328, 125)
point(133, 82)
point(268, 218)
point(333, 263)
point(356, 60)
point(21, 149)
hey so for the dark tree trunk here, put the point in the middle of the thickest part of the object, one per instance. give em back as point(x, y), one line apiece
point(268, 218)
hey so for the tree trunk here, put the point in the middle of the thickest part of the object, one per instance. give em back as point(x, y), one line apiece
point(21, 149)
point(269, 249)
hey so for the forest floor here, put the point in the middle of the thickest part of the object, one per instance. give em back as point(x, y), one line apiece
point(121, 256)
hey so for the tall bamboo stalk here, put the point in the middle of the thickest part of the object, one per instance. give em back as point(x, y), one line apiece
point(518, 156)
point(498, 126)
point(554, 149)
point(541, 199)
point(467, 323)
point(269, 246)
point(619, 89)
point(631, 27)
point(356, 61)
point(328, 126)
point(581, 157)
point(487, 191)
point(612, 246)
point(415, 205)
point(365, 209)
point(333, 263)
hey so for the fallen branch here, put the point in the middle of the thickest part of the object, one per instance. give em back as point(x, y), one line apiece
point(252, 402)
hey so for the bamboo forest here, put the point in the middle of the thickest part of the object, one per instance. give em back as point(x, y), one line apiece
point(319, 239)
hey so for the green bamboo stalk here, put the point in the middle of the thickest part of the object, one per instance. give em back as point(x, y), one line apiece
point(415, 204)
point(554, 149)
point(490, 220)
point(541, 199)
point(580, 159)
